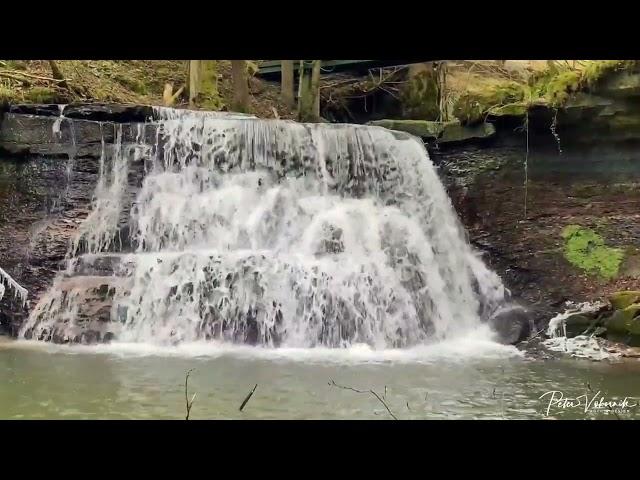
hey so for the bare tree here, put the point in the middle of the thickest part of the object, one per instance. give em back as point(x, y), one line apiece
point(309, 96)
point(193, 74)
point(240, 85)
point(287, 82)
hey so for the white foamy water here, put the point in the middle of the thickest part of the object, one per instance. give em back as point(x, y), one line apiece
point(279, 234)
point(6, 281)
point(581, 346)
point(475, 345)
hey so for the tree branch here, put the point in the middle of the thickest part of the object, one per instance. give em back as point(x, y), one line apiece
point(188, 403)
point(246, 399)
point(334, 384)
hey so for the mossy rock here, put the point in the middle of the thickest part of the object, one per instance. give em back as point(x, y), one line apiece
point(424, 129)
point(624, 321)
point(454, 132)
point(621, 300)
point(586, 250)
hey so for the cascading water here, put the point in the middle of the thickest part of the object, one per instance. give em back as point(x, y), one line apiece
point(274, 233)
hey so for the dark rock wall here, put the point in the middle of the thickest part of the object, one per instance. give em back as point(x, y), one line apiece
point(594, 186)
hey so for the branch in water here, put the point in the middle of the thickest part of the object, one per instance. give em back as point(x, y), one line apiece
point(334, 384)
point(246, 399)
point(188, 403)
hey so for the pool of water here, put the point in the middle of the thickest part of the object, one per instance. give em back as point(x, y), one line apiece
point(458, 380)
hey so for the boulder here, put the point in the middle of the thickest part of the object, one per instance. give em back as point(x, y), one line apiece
point(456, 133)
point(579, 323)
point(512, 325)
point(425, 129)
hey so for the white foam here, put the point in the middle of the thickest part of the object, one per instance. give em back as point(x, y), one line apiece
point(477, 345)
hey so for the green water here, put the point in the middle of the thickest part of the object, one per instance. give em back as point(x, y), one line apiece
point(60, 383)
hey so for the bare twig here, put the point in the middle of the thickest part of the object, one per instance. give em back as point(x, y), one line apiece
point(188, 403)
point(334, 384)
point(246, 399)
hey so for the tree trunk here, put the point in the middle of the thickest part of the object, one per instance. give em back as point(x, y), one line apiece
point(441, 79)
point(240, 85)
point(315, 89)
point(309, 96)
point(194, 81)
point(57, 74)
point(287, 82)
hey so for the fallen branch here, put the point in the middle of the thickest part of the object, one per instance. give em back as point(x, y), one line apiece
point(189, 404)
point(334, 384)
point(16, 76)
point(248, 397)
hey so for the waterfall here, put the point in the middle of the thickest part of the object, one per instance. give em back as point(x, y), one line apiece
point(269, 232)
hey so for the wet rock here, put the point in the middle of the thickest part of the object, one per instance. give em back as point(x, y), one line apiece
point(98, 112)
point(579, 324)
point(50, 109)
point(117, 113)
point(30, 135)
point(512, 325)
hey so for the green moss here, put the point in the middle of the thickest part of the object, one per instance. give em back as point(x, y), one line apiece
point(620, 300)
point(6, 94)
point(585, 249)
point(16, 65)
point(131, 83)
point(552, 87)
point(41, 95)
point(597, 69)
point(500, 99)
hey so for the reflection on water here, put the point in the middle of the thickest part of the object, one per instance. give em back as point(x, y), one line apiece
point(122, 382)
